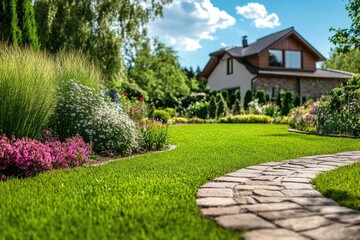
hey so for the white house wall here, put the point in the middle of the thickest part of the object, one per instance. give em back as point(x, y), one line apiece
point(241, 77)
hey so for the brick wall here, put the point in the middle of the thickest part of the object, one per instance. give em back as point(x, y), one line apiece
point(309, 87)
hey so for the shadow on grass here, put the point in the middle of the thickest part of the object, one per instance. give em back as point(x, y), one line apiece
point(343, 198)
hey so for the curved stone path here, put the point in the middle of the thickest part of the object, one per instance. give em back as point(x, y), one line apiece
point(276, 200)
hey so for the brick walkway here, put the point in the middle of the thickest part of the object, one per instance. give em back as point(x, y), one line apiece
point(276, 201)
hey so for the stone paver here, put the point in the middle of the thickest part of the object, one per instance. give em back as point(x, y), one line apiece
point(276, 201)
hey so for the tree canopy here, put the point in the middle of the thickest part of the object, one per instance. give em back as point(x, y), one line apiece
point(100, 28)
point(349, 61)
point(347, 39)
point(156, 69)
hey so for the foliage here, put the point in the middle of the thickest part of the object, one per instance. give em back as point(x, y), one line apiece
point(297, 101)
point(250, 118)
point(171, 111)
point(222, 108)
point(349, 61)
point(270, 109)
point(339, 110)
point(158, 72)
point(248, 98)
point(132, 91)
point(146, 190)
point(341, 185)
point(348, 38)
point(26, 157)
point(238, 94)
point(254, 107)
point(177, 120)
point(225, 95)
point(83, 111)
point(17, 23)
point(213, 108)
point(236, 109)
point(280, 99)
point(153, 135)
point(305, 118)
point(161, 115)
point(100, 28)
point(135, 109)
point(199, 109)
point(287, 104)
point(27, 91)
point(261, 96)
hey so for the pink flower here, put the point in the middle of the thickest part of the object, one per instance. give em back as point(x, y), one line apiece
point(3, 178)
point(141, 99)
point(126, 94)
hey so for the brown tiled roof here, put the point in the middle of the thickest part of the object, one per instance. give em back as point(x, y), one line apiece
point(319, 73)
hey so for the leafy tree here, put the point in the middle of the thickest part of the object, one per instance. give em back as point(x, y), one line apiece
point(347, 39)
point(158, 72)
point(349, 61)
point(248, 98)
point(287, 104)
point(100, 28)
point(17, 23)
point(213, 108)
point(261, 96)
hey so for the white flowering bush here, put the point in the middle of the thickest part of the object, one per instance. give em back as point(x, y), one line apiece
point(256, 108)
point(81, 110)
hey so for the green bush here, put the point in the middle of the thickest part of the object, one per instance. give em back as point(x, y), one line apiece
point(248, 98)
point(196, 120)
point(81, 110)
point(270, 109)
point(287, 104)
point(27, 91)
point(222, 108)
point(225, 95)
point(153, 135)
point(261, 96)
point(213, 108)
point(171, 111)
point(232, 99)
point(251, 118)
point(279, 99)
point(236, 109)
point(198, 109)
point(176, 120)
point(161, 115)
point(297, 101)
point(238, 94)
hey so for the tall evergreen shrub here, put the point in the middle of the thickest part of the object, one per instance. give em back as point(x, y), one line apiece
point(279, 99)
point(297, 101)
point(213, 108)
point(287, 104)
point(17, 23)
point(261, 96)
point(222, 108)
point(236, 107)
point(248, 98)
point(238, 94)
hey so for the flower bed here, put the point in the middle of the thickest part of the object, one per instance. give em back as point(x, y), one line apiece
point(26, 157)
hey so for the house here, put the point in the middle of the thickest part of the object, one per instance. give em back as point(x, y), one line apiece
point(280, 61)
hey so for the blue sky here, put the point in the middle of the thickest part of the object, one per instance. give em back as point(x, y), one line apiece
point(195, 28)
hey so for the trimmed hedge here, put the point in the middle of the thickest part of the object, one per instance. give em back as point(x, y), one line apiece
point(250, 118)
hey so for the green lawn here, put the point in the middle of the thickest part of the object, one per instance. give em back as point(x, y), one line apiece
point(152, 196)
point(342, 185)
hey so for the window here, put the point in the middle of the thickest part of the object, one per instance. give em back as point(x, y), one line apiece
point(275, 58)
point(292, 59)
point(229, 66)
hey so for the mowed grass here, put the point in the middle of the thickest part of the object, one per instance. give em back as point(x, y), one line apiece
point(152, 196)
point(342, 185)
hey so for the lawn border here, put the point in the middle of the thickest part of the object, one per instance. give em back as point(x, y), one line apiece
point(322, 135)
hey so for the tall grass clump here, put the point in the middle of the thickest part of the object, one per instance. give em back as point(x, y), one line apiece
point(27, 91)
point(75, 65)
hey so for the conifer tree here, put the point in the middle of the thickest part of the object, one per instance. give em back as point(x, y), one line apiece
point(236, 107)
point(212, 108)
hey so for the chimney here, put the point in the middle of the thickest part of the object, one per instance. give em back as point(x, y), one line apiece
point(244, 41)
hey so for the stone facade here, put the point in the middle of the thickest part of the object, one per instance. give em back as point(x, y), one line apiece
point(308, 87)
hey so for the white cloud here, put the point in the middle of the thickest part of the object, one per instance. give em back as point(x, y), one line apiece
point(257, 12)
point(187, 22)
point(223, 44)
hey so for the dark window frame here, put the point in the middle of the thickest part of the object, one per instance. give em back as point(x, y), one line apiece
point(301, 59)
point(229, 66)
point(282, 64)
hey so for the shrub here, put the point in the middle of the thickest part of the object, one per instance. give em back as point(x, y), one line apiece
point(236, 107)
point(269, 109)
point(83, 111)
point(213, 108)
point(248, 98)
point(304, 118)
point(136, 110)
point(261, 96)
point(225, 94)
point(232, 99)
point(171, 111)
point(176, 120)
point(267, 97)
point(27, 91)
point(153, 135)
point(27, 157)
point(196, 120)
point(287, 104)
point(279, 99)
point(303, 100)
point(297, 101)
point(238, 94)
point(161, 115)
point(255, 107)
point(222, 107)
point(199, 109)
point(251, 118)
